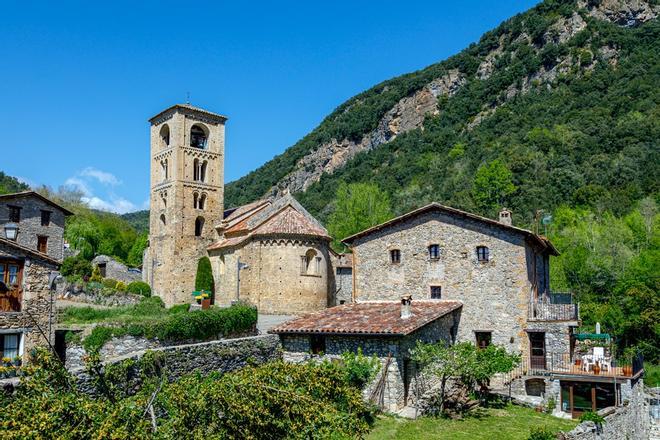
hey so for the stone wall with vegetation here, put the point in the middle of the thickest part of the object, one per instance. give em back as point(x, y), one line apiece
point(223, 355)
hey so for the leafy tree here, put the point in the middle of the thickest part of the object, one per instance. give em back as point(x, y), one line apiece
point(204, 277)
point(359, 206)
point(9, 184)
point(136, 253)
point(76, 267)
point(493, 183)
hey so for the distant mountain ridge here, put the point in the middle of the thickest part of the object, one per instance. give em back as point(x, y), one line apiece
point(424, 115)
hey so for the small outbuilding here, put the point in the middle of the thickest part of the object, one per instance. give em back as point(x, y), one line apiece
point(386, 329)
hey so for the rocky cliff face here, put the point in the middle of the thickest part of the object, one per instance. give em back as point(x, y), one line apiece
point(410, 111)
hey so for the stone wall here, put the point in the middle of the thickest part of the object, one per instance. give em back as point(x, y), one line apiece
point(37, 307)
point(223, 355)
point(29, 227)
point(273, 280)
point(495, 294)
point(114, 348)
point(343, 270)
point(628, 422)
point(116, 270)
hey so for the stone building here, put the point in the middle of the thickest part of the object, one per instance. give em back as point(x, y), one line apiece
point(116, 270)
point(31, 246)
point(275, 255)
point(386, 329)
point(187, 183)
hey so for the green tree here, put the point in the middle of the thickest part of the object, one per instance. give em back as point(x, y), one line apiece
point(493, 183)
point(137, 250)
point(359, 206)
point(204, 277)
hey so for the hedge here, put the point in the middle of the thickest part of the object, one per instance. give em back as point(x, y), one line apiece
point(198, 325)
point(139, 288)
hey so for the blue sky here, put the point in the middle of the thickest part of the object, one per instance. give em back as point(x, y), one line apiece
point(78, 80)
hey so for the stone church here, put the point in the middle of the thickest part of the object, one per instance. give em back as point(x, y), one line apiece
point(272, 253)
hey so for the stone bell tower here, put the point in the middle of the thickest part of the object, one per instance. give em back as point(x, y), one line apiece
point(187, 195)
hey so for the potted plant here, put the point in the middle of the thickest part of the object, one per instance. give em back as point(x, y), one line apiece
point(628, 354)
point(596, 368)
point(17, 362)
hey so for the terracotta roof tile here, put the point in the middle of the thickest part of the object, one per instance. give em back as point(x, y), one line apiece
point(289, 221)
point(375, 318)
point(228, 242)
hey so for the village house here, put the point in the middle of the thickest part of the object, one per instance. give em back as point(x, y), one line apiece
point(31, 249)
point(498, 273)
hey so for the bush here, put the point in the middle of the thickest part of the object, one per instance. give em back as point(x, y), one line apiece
point(590, 416)
point(541, 433)
point(359, 369)
point(139, 288)
point(204, 277)
point(110, 283)
point(96, 275)
point(76, 267)
point(121, 286)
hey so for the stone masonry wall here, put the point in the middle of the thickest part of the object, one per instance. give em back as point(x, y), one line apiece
point(495, 294)
point(116, 270)
point(29, 227)
point(223, 355)
point(36, 299)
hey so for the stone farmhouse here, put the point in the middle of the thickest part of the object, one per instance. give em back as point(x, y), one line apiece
point(31, 249)
point(471, 279)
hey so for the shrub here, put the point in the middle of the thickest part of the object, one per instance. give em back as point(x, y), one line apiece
point(590, 416)
point(94, 285)
point(541, 433)
point(96, 275)
point(110, 283)
point(139, 288)
point(76, 267)
point(359, 369)
point(121, 286)
point(204, 277)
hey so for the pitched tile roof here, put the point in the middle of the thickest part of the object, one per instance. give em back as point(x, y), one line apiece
point(543, 241)
point(284, 216)
point(370, 318)
point(30, 251)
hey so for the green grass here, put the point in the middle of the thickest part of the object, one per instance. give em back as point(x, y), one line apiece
point(507, 423)
point(651, 375)
point(148, 309)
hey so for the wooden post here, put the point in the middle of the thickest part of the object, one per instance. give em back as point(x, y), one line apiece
point(593, 399)
point(570, 400)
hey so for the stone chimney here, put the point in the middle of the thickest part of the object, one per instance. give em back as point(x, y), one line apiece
point(405, 306)
point(505, 217)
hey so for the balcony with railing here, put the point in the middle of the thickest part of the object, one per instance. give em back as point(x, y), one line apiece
point(591, 365)
point(553, 306)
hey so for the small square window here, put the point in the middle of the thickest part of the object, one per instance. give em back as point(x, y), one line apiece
point(434, 252)
point(45, 218)
point(9, 345)
point(395, 256)
point(436, 292)
point(483, 339)
point(482, 254)
point(317, 344)
point(14, 214)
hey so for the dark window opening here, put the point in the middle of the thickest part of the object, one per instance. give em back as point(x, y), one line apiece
point(434, 251)
point(199, 226)
point(535, 387)
point(395, 256)
point(42, 244)
point(198, 137)
point(482, 254)
point(317, 344)
point(537, 349)
point(9, 345)
point(45, 218)
point(14, 214)
point(102, 269)
point(165, 136)
point(436, 292)
point(483, 339)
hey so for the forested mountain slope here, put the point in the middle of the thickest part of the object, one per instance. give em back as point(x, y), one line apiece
point(563, 96)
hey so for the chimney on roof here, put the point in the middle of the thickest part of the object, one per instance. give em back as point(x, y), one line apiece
point(405, 306)
point(505, 217)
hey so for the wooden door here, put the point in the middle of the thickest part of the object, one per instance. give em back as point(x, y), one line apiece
point(10, 286)
point(537, 350)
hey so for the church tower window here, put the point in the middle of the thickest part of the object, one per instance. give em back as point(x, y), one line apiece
point(165, 136)
point(198, 137)
point(199, 226)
